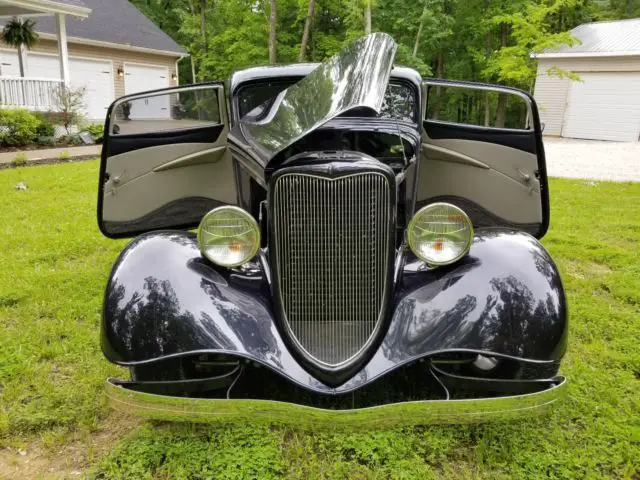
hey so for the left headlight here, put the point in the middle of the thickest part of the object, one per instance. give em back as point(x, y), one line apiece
point(228, 236)
point(440, 234)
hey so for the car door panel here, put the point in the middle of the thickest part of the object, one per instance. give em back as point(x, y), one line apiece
point(160, 173)
point(497, 175)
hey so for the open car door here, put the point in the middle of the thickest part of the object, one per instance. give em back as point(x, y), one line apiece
point(165, 161)
point(482, 150)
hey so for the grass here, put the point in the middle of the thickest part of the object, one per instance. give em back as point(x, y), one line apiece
point(55, 265)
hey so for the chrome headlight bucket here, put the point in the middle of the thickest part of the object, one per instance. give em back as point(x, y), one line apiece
point(440, 234)
point(228, 236)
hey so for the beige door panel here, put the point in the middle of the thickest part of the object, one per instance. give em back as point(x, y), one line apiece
point(143, 194)
point(509, 161)
point(515, 201)
point(440, 153)
point(211, 155)
point(127, 166)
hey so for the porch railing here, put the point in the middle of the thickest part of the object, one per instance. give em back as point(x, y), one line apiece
point(29, 93)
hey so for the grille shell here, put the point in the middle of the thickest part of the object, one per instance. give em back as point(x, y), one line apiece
point(333, 251)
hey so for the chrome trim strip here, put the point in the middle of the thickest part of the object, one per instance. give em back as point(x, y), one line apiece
point(284, 250)
point(422, 412)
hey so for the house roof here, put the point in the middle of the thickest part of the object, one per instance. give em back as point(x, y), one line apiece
point(11, 8)
point(77, 3)
point(113, 22)
point(615, 38)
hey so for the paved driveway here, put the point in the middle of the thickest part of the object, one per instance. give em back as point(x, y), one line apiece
point(592, 159)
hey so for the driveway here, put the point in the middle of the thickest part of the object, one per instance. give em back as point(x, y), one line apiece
point(592, 159)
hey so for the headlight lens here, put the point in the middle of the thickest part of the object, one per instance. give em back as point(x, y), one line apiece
point(440, 234)
point(228, 236)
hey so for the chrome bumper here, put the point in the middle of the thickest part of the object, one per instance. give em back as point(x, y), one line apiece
point(425, 412)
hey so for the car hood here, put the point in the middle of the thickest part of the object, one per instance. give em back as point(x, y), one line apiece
point(356, 77)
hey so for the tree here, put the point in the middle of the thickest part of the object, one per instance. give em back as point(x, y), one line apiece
point(20, 34)
point(307, 30)
point(273, 23)
point(367, 17)
point(69, 103)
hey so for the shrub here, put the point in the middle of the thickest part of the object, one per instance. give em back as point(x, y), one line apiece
point(46, 128)
point(72, 139)
point(20, 127)
point(96, 130)
point(47, 141)
point(20, 160)
point(69, 103)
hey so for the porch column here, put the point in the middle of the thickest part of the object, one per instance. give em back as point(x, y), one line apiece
point(63, 53)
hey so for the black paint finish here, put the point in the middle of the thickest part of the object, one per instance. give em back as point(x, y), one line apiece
point(505, 298)
point(189, 210)
point(480, 217)
point(519, 139)
point(117, 144)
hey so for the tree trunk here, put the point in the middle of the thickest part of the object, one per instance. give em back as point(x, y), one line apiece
point(307, 30)
point(193, 70)
point(439, 74)
point(501, 110)
point(273, 19)
point(487, 98)
point(22, 59)
point(367, 17)
point(416, 44)
point(203, 23)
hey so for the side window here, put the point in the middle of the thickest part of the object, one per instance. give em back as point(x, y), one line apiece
point(477, 107)
point(166, 111)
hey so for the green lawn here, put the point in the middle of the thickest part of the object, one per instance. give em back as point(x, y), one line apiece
point(55, 264)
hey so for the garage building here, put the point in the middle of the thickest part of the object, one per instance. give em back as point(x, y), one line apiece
point(605, 103)
point(115, 51)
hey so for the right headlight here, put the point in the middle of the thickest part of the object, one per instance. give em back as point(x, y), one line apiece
point(228, 236)
point(440, 234)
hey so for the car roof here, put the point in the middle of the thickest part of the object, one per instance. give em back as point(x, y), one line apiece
point(301, 70)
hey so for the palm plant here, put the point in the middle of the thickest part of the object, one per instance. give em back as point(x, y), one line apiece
point(20, 34)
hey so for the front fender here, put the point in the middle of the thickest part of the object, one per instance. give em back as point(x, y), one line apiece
point(164, 300)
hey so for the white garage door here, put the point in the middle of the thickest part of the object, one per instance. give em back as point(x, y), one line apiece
point(604, 106)
point(38, 65)
point(95, 75)
point(141, 78)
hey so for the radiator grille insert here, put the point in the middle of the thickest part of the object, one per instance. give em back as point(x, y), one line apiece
point(332, 254)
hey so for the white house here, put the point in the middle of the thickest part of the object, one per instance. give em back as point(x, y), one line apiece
point(107, 46)
point(605, 103)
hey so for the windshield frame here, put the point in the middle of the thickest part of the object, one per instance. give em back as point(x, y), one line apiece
point(289, 80)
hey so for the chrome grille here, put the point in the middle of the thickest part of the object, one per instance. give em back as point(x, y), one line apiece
point(332, 255)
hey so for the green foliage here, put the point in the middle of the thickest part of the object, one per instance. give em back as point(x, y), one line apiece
point(18, 127)
point(17, 32)
point(69, 103)
point(20, 160)
point(46, 141)
point(180, 453)
point(530, 32)
point(96, 130)
point(46, 128)
point(64, 155)
point(52, 370)
point(482, 40)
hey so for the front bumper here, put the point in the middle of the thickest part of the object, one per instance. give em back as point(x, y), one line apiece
point(411, 413)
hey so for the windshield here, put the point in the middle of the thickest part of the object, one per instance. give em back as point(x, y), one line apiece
point(399, 99)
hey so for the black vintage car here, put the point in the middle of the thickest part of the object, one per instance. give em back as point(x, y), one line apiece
point(366, 250)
